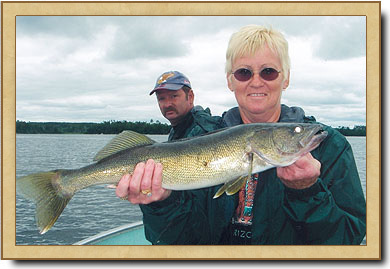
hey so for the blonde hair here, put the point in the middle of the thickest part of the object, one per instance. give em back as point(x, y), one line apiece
point(252, 38)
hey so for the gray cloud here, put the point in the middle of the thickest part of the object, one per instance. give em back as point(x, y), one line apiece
point(73, 26)
point(142, 38)
point(162, 36)
point(101, 68)
point(342, 39)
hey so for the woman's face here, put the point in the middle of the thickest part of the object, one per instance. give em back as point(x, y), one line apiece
point(258, 99)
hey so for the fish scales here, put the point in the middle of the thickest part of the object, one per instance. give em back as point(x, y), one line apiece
point(202, 160)
point(187, 164)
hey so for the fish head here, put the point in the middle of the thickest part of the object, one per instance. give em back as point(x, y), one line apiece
point(282, 144)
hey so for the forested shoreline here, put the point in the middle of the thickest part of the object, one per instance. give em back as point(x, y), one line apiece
point(105, 127)
point(115, 127)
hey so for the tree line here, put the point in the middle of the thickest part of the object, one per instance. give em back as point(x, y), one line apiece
point(105, 127)
point(115, 127)
point(358, 130)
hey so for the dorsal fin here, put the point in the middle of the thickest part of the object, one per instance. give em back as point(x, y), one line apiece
point(126, 139)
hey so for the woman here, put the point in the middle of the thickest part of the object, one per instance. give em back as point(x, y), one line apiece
point(316, 200)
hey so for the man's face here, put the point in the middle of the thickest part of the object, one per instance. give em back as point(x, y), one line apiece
point(174, 105)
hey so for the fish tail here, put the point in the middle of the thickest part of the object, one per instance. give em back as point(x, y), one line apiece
point(45, 191)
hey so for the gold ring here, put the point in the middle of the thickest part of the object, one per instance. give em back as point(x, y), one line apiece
point(124, 197)
point(147, 192)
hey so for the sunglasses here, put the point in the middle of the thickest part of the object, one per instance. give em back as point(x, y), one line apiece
point(244, 74)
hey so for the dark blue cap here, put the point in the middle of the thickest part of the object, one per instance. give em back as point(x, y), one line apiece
point(172, 80)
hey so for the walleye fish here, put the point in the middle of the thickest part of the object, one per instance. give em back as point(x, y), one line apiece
point(228, 156)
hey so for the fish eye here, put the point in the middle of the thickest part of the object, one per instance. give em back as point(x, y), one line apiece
point(298, 129)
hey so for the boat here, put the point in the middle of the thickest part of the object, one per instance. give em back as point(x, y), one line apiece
point(129, 234)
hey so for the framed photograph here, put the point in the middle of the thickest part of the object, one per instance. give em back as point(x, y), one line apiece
point(71, 66)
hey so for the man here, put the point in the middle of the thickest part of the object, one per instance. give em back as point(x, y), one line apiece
point(175, 98)
point(176, 101)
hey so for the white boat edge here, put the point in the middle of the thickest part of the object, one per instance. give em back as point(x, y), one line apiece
point(109, 232)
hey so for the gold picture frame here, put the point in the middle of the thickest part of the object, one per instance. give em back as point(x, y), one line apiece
point(370, 251)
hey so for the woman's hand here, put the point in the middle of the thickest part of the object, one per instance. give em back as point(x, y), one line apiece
point(144, 185)
point(302, 174)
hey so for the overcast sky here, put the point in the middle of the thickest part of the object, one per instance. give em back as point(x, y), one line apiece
point(92, 69)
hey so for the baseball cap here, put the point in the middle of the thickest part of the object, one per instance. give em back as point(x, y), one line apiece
point(171, 80)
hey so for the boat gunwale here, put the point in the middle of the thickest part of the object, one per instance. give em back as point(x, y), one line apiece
point(107, 233)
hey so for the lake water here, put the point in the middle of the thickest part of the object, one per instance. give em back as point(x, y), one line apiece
point(96, 208)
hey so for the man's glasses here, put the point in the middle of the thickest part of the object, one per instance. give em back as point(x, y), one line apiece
point(244, 74)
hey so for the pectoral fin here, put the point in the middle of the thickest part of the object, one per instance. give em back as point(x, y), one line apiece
point(234, 186)
point(240, 182)
point(231, 187)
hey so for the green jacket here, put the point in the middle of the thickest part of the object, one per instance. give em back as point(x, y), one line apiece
point(198, 121)
point(331, 212)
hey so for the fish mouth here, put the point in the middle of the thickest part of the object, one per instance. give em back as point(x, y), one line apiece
point(315, 137)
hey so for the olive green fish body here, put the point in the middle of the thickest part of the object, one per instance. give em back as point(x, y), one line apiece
point(188, 164)
point(227, 156)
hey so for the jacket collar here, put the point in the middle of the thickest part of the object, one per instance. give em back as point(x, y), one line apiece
point(288, 114)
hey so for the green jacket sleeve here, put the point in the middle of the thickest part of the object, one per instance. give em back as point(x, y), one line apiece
point(188, 218)
point(333, 210)
point(170, 222)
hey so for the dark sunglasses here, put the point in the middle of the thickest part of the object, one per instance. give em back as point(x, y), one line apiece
point(244, 74)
